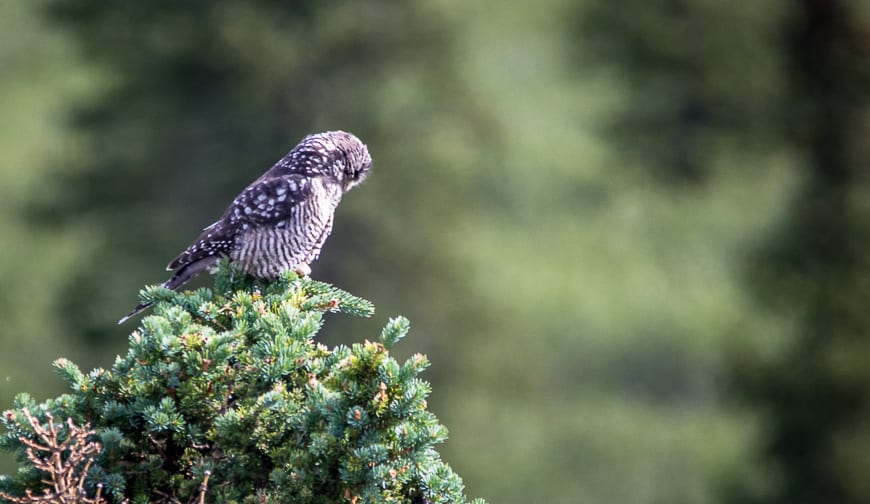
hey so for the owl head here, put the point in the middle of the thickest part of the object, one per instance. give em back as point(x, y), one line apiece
point(357, 161)
point(337, 154)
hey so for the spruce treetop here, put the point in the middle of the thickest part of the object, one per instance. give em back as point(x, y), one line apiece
point(224, 396)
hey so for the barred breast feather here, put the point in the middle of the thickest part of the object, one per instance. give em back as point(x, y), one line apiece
point(289, 236)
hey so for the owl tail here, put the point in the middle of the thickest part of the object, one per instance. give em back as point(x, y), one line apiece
point(179, 278)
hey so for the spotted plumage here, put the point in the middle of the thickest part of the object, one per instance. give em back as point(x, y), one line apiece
point(280, 221)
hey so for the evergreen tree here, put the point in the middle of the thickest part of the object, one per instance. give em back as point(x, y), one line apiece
point(224, 396)
point(692, 90)
point(815, 395)
point(794, 80)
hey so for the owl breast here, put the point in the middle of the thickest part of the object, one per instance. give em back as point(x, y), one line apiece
point(266, 251)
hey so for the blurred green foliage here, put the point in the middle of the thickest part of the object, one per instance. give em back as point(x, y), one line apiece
point(578, 204)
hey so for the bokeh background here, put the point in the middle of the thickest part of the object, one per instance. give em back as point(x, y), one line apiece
point(631, 236)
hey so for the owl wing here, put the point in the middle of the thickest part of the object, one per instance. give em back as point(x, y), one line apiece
point(269, 201)
point(266, 202)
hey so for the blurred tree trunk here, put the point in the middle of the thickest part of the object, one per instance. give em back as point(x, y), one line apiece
point(817, 397)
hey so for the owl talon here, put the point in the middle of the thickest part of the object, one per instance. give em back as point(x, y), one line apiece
point(303, 270)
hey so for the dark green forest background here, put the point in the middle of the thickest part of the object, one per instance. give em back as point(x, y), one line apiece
point(632, 237)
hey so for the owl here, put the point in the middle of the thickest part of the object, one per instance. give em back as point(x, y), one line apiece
point(279, 222)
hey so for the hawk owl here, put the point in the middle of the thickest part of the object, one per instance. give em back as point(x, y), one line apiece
point(280, 221)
